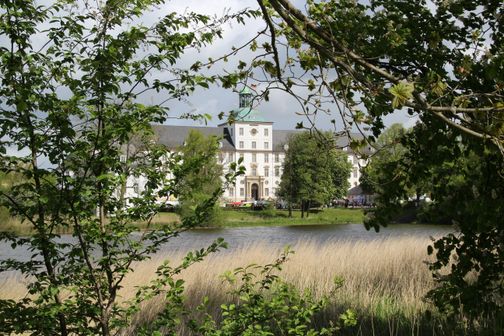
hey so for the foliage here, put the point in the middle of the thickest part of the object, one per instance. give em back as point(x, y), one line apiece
point(72, 75)
point(386, 175)
point(441, 60)
point(313, 178)
point(268, 306)
point(464, 179)
point(200, 175)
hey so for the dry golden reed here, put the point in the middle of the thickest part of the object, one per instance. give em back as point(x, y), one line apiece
point(381, 277)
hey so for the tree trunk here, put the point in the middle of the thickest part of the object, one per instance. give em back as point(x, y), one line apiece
point(290, 210)
point(308, 204)
point(302, 209)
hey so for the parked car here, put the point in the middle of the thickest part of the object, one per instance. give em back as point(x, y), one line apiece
point(247, 204)
point(261, 205)
point(170, 206)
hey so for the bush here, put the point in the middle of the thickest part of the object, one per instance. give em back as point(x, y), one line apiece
point(267, 305)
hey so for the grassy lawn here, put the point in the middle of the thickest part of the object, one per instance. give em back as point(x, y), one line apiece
point(272, 217)
point(237, 218)
point(234, 218)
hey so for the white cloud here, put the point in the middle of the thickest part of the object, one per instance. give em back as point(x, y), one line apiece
point(281, 109)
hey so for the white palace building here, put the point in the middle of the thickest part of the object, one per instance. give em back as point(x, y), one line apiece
point(251, 137)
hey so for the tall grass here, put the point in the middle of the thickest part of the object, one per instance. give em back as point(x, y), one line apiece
point(13, 224)
point(384, 281)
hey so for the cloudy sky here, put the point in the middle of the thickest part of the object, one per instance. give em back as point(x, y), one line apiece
point(280, 109)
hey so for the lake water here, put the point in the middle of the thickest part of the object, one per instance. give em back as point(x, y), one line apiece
point(274, 236)
point(289, 235)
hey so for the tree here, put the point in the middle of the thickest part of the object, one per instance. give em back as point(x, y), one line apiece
point(439, 60)
point(310, 178)
point(201, 177)
point(340, 169)
point(386, 174)
point(463, 179)
point(72, 75)
point(373, 57)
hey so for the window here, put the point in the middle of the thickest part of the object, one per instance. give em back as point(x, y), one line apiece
point(355, 172)
point(266, 145)
point(266, 132)
point(277, 171)
point(231, 157)
point(266, 171)
point(241, 144)
point(231, 191)
point(253, 144)
point(242, 192)
point(254, 171)
point(254, 157)
point(277, 157)
point(266, 191)
point(135, 188)
point(241, 155)
point(266, 158)
point(241, 131)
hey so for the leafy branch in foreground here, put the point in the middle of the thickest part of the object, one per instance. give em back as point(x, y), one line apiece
point(463, 179)
point(438, 61)
point(365, 59)
point(72, 75)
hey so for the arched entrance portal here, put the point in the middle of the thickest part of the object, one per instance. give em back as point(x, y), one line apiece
point(255, 191)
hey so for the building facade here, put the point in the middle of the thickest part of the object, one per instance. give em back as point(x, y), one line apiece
point(251, 137)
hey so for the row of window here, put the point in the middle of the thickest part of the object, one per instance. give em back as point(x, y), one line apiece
point(231, 192)
point(241, 145)
point(241, 131)
point(253, 171)
point(266, 157)
point(222, 156)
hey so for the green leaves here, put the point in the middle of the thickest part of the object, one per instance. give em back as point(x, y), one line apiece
point(401, 92)
point(199, 179)
point(316, 178)
point(269, 306)
point(72, 102)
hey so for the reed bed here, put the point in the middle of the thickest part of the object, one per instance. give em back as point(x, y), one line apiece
point(384, 281)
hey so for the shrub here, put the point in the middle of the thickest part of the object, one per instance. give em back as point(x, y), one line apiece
point(266, 305)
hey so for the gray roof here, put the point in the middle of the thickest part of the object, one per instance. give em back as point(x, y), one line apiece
point(280, 138)
point(174, 136)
